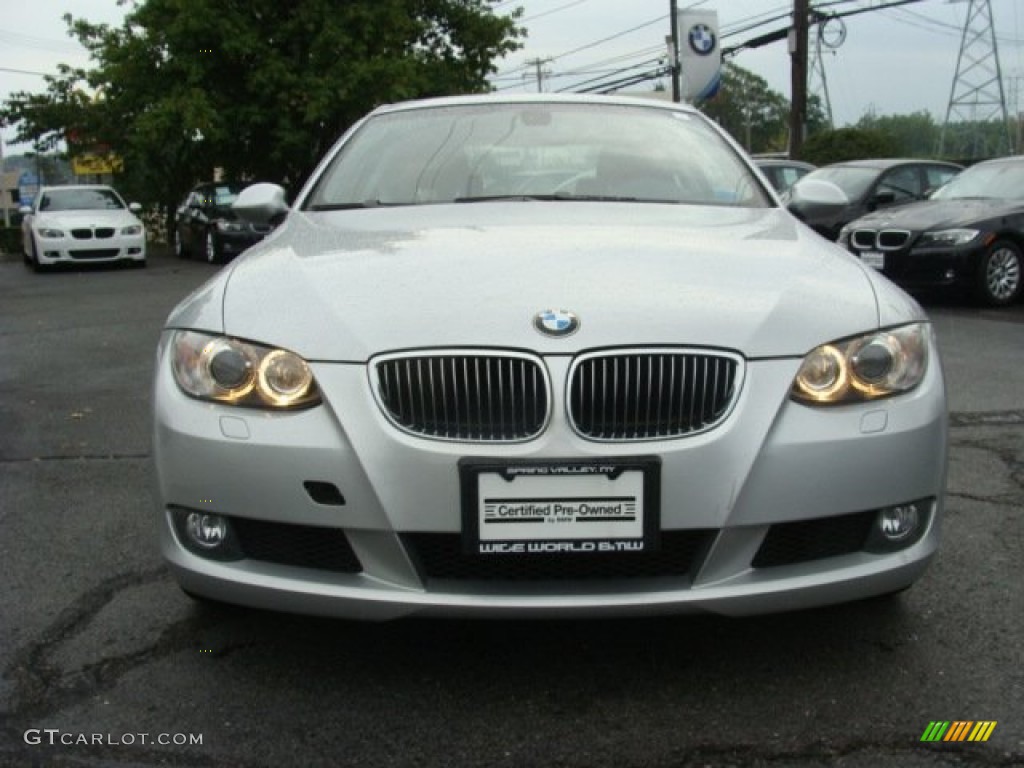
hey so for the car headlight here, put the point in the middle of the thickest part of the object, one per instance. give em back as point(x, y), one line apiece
point(227, 370)
point(134, 229)
point(948, 237)
point(50, 233)
point(876, 365)
point(229, 226)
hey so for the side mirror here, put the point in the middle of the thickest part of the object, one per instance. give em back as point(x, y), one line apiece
point(817, 192)
point(135, 207)
point(25, 210)
point(261, 203)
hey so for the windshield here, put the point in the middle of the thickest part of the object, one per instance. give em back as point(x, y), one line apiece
point(852, 180)
point(100, 199)
point(528, 151)
point(991, 180)
point(224, 195)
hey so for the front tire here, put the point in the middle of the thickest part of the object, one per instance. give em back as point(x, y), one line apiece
point(179, 245)
point(36, 266)
point(212, 251)
point(997, 281)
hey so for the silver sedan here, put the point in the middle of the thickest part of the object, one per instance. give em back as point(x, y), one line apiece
point(544, 356)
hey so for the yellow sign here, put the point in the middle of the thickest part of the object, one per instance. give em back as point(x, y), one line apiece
point(93, 165)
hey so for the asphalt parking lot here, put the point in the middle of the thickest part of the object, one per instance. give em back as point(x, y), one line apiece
point(104, 662)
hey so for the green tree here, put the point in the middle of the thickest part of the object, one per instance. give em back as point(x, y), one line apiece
point(755, 115)
point(913, 135)
point(847, 144)
point(258, 88)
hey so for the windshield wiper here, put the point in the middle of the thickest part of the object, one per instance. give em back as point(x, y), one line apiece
point(351, 206)
point(558, 196)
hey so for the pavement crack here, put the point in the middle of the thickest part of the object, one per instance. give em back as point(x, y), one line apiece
point(40, 686)
point(76, 457)
point(986, 418)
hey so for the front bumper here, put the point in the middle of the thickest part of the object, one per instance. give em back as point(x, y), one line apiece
point(771, 462)
point(921, 268)
point(67, 250)
point(231, 243)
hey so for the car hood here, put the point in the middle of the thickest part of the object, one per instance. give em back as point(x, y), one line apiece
point(939, 214)
point(73, 219)
point(350, 284)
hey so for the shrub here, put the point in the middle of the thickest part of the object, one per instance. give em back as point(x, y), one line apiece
point(10, 239)
point(847, 144)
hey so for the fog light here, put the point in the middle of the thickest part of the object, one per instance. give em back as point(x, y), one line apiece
point(899, 526)
point(205, 530)
point(206, 534)
point(897, 523)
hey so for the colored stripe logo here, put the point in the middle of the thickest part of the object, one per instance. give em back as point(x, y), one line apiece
point(959, 730)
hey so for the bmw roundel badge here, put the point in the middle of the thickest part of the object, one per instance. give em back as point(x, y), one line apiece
point(702, 39)
point(556, 322)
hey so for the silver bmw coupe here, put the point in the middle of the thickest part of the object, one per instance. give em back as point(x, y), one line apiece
point(544, 356)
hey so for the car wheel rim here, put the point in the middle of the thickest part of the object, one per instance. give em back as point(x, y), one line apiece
point(1003, 274)
point(211, 250)
point(177, 244)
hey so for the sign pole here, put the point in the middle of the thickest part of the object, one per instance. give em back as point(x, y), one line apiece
point(673, 13)
point(4, 192)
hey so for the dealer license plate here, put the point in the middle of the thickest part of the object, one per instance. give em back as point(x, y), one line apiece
point(873, 259)
point(560, 507)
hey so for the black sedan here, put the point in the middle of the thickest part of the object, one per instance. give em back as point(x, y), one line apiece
point(970, 233)
point(867, 185)
point(206, 225)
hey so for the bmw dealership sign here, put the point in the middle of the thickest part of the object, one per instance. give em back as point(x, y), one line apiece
point(700, 56)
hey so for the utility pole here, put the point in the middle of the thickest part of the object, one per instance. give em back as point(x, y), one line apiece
point(4, 194)
point(673, 15)
point(798, 77)
point(540, 72)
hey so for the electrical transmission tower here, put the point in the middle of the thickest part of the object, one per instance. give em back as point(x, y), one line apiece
point(817, 83)
point(977, 96)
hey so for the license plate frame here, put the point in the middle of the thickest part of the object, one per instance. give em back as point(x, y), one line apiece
point(874, 259)
point(593, 496)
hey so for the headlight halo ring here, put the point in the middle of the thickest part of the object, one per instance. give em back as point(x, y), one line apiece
point(193, 356)
point(906, 348)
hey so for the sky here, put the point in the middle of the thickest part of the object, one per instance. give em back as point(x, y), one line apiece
point(894, 61)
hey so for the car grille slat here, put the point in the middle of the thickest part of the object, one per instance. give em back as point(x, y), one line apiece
point(651, 394)
point(893, 239)
point(882, 240)
point(466, 396)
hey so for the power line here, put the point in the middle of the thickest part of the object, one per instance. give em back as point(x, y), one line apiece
point(594, 44)
point(579, 87)
point(25, 72)
point(21, 40)
point(553, 10)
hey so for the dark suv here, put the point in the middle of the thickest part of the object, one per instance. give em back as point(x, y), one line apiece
point(205, 224)
point(868, 185)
